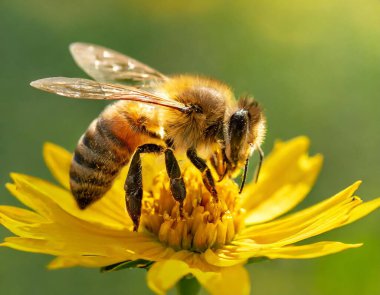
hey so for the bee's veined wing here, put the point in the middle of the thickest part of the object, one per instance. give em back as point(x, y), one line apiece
point(106, 65)
point(89, 89)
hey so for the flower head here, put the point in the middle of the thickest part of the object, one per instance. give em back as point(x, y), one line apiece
point(211, 241)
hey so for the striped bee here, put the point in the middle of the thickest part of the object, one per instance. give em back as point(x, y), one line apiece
point(154, 113)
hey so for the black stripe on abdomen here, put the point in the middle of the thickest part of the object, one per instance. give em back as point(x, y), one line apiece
point(97, 160)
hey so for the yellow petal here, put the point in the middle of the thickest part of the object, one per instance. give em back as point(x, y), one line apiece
point(58, 161)
point(233, 255)
point(308, 251)
point(227, 256)
point(287, 176)
point(230, 280)
point(67, 230)
point(163, 275)
point(323, 216)
point(22, 226)
point(87, 261)
point(329, 220)
point(363, 210)
point(20, 215)
point(61, 232)
point(60, 242)
point(39, 194)
point(59, 248)
point(30, 245)
point(260, 239)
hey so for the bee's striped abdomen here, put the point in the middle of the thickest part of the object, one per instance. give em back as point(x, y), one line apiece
point(106, 147)
point(97, 160)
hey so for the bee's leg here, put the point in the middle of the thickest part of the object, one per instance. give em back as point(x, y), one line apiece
point(206, 173)
point(133, 183)
point(177, 185)
point(219, 163)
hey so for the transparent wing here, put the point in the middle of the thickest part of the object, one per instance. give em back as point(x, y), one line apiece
point(106, 65)
point(89, 89)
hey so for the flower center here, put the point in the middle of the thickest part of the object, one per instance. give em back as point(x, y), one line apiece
point(205, 223)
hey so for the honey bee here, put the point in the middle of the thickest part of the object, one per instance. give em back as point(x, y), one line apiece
point(154, 113)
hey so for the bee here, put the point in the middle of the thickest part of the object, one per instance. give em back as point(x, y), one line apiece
point(154, 113)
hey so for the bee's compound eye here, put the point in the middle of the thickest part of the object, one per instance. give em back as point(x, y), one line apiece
point(237, 131)
point(238, 124)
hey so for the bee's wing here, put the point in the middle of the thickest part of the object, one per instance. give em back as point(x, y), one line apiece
point(106, 65)
point(89, 89)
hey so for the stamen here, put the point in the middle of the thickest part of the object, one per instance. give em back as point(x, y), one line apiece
point(204, 223)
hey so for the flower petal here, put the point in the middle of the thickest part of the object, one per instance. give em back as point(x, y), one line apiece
point(77, 260)
point(163, 275)
point(363, 210)
point(38, 194)
point(58, 160)
point(53, 230)
point(319, 218)
point(286, 177)
point(30, 245)
point(260, 240)
point(227, 256)
point(230, 280)
point(80, 245)
point(230, 256)
point(308, 251)
point(20, 215)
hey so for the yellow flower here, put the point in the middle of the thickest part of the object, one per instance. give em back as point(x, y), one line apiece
point(211, 241)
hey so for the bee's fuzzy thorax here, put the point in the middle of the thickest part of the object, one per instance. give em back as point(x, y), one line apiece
point(202, 126)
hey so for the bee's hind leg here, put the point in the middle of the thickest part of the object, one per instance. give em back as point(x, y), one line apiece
point(134, 187)
point(133, 184)
point(201, 165)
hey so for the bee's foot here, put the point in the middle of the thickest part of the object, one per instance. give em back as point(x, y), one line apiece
point(181, 209)
point(136, 227)
point(214, 194)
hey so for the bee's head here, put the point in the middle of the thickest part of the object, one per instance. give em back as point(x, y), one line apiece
point(244, 132)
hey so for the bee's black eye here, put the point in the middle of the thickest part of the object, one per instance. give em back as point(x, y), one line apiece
point(238, 124)
point(237, 131)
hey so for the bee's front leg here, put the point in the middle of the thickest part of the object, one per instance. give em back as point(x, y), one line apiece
point(207, 178)
point(177, 185)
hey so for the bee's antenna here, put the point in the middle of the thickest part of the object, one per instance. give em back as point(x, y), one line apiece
point(258, 169)
point(244, 175)
point(261, 155)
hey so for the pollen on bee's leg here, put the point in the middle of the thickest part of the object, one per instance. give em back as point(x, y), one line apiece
point(197, 223)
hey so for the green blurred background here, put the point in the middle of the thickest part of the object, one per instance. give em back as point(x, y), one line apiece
point(314, 65)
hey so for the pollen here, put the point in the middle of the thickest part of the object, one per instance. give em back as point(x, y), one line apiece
point(204, 223)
